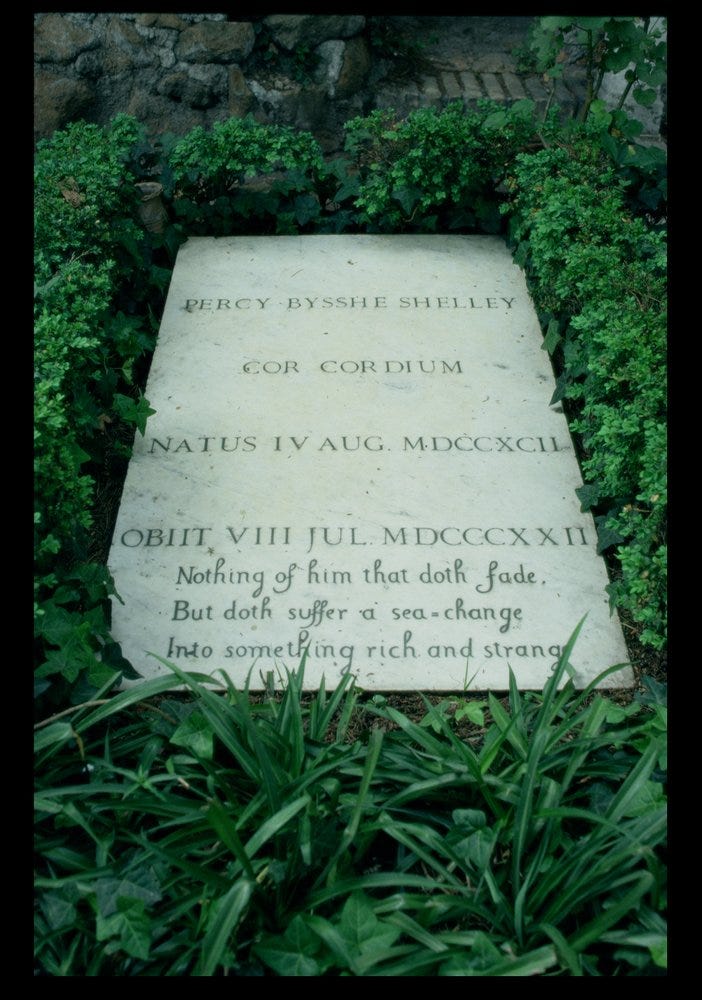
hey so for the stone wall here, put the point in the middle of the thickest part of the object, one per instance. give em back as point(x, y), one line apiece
point(313, 71)
point(176, 71)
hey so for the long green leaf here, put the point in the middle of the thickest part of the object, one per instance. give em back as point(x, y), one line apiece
point(419, 789)
point(373, 753)
point(413, 965)
point(417, 932)
point(224, 719)
point(464, 757)
point(140, 692)
point(424, 842)
point(615, 911)
point(334, 941)
point(275, 823)
point(57, 732)
point(565, 952)
point(289, 722)
point(507, 726)
point(532, 964)
point(592, 868)
point(226, 831)
point(636, 779)
point(378, 880)
point(231, 909)
point(417, 733)
point(523, 816)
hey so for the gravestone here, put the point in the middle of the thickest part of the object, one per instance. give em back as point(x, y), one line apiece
point(354, 454)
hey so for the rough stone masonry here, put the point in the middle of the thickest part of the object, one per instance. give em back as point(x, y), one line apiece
point(177, 71)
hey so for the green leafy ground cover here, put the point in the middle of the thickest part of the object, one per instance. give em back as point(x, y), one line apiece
point(228, 834)
point(219, 836)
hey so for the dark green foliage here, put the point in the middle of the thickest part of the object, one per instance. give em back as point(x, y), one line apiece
point(93, 289)
point(635, 46)
point(586, 217)
point(222, 836)
point(435, 170)
point(225, 837)
point(243, 174)
point(601, 271)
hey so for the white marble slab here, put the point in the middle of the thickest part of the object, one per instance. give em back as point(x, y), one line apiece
point(354, 453)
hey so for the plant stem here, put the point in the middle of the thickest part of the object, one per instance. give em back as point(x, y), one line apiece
point(625, 94)
point(589, 94)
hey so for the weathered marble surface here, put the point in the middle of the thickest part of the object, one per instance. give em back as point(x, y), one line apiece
point(354, 451)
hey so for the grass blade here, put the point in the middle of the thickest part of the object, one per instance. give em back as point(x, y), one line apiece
point(523, 816)
point(568, 956)
point(140, 692)
point(274, 823)
point(507, 726)
point(226, 831)
point(607, 918)
point(634, 782)
point(532, 964)
point(230, 911)
point(373, 753)
point(377, 880)
point(417, 932)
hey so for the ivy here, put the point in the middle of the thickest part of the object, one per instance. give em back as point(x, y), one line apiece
point(602, 269)
point(585, 215)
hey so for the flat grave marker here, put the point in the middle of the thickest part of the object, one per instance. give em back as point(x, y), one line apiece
point(354, 454)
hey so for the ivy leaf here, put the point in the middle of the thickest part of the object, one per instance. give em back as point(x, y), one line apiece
point(476, 849)
point(407, 197)
point(306, 208)
point(95, 578)
point(616, 61)
point(59, 911)
point(131, 923)
point(598, 113)
point(588, 495)
point(350, 188)
point(606, 536)
point(610, 145)
point(592, 23)
point(196, 735)
point(498, 119)
point(111, 656)
point(56, 624)
point(98, 675)
point(294, 953)
point(285, 960)
point(560, 390)
point(657, 693)
point(74, 655)
point(552, 338)
point(133, 411)
point(521, 253)
point(556, 23)
point(141, 884)
point(473, 711)
point(646, 98)
point(358, 922)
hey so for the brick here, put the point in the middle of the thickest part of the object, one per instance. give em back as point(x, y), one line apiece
point(450, 85)
point(492, 86)
point(536, 88)
point(513, 85)
point(471, 87)
point(430, 88)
